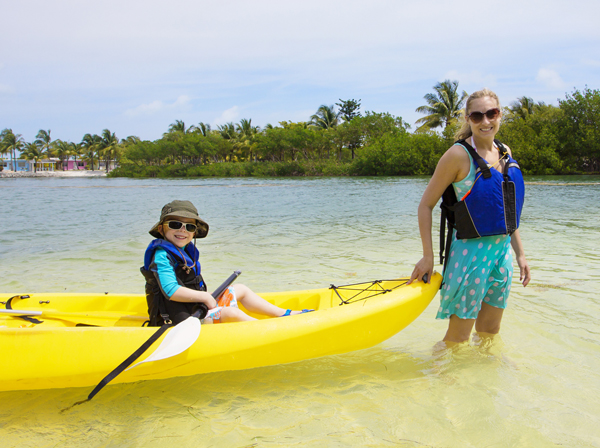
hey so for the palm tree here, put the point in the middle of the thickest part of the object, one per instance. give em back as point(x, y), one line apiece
point(76, 150)
point(3, 146)
point(108, 146)
point(227, 131)
point(177, 130)
point(178, 126)
point(91, 144)
point(44, 141)
point(32, 151)
point(62, 150)
point(443, 108)
point(245, 132)
point(10, 144)
point(246, 129)
point(524, 107)
point(131, 140)
point(325, 118)
point(203, 128)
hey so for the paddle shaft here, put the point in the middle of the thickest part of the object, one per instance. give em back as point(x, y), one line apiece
point(226, 284)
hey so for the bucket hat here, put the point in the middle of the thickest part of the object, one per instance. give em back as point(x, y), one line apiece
point(183, 209)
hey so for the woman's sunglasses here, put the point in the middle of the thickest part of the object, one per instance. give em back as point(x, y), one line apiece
point(176, 225)
point(477, 117)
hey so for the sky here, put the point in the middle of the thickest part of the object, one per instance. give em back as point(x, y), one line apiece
point(136, 66)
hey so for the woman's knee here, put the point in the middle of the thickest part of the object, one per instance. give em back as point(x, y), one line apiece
point(489, 319)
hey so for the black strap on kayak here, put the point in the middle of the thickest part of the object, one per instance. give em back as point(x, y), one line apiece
point(27, 318)
point(135, 355)
point(121, 367)
point(199, 313)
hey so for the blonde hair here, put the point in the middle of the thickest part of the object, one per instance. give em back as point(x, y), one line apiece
point(465, 128)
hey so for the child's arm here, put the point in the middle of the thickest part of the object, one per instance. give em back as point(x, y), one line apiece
point(173, 290)
point(183, 294)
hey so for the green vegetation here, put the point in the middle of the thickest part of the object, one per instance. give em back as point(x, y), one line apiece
point(545, 139)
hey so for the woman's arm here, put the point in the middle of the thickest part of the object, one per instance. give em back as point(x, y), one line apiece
point(453, 166)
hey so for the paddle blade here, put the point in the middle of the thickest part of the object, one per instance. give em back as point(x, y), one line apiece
point(181, 337)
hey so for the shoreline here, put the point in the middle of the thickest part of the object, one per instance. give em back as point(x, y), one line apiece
point(73, 173)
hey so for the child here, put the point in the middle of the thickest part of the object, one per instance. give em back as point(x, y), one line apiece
point(175, 288)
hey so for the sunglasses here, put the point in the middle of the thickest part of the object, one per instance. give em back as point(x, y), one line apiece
point(176, 225)
point(477, 117)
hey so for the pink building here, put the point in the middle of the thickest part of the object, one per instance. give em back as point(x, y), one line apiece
point(69, 165)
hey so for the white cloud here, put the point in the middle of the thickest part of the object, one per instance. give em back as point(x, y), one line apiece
point(549, 78)
point(157, 106)
point(4, 88)
point(229, 115)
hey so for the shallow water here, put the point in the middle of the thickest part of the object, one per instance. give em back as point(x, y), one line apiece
point(536, 385)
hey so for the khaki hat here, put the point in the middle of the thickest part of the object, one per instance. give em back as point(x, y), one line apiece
point(183, 209)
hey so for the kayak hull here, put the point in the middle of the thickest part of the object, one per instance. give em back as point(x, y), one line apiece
point(57, 353)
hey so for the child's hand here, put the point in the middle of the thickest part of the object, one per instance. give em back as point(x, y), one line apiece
point(209, 301)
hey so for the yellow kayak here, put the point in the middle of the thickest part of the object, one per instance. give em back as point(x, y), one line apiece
point(74, 340)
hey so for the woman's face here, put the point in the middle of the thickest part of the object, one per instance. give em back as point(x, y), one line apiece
point(486, 128)
point(180, 237)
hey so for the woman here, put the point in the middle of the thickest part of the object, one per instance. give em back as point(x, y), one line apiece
point(478, 271)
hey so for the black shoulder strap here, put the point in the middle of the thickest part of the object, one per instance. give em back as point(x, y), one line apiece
point(501, 148)
point(481, 163)
point(447, 217)
point(504, 154)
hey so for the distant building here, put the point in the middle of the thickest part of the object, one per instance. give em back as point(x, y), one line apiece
point(69, 165)
point(27, 165)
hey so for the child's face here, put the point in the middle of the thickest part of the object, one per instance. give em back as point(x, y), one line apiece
point(180, 237)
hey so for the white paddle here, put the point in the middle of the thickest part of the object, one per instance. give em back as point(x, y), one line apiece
point(181, 337)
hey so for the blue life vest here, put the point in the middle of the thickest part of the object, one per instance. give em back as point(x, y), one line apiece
point(161, 309)
point(190, 254)
point(493, 205)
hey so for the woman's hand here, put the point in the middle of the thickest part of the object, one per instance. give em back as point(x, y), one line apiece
point(423, 268)
point(517, 245)
point(524, 271)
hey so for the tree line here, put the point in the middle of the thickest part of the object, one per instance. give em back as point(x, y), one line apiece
point(340, 140)
point(93, 148)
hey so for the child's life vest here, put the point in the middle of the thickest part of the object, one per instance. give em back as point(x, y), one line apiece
point(492, 206)
point(161, 309)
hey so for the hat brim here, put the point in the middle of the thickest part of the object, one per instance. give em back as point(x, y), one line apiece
point(201, 231)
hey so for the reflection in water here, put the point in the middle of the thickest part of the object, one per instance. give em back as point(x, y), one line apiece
point(536, 385)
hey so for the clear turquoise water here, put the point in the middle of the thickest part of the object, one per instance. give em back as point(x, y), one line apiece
point(536, 385)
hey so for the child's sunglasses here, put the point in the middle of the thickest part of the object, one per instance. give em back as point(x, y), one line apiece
point(176, 225)
point(477, 117)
